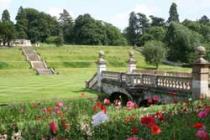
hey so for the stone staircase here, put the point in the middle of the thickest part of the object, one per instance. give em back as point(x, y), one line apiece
point(36, 62)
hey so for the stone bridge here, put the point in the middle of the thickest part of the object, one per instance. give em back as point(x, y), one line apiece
point(139, 85)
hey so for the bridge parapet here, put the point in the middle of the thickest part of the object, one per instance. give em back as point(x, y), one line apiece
point(150, 80)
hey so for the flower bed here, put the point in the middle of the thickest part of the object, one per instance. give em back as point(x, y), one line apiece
point(90, 119)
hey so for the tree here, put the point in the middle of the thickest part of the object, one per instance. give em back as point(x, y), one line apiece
point(66, 23)
point(21, 24)
point(138, 24)
point(153, 33)
point(154, 52)
point(157, 21)
point(131, 31)
point(204, 20)
point(89, 31)
point(173, 14)
point(36, 26)
point(181, 43)
point(7, 32)
point(114, 36)
point(5, 16)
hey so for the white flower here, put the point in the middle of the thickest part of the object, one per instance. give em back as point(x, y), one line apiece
point(3, 137)
point(99, 118)
point(16, 136)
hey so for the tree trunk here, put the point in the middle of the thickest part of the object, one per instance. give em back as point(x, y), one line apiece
point(157, 66)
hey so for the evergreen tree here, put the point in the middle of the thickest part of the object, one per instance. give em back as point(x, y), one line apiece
point(5, 16)
point(204, 20)
point(21, 24)
point(157, 21)
point(131, 33)
point(173, 14)
point(138, 24)
point(66, 24)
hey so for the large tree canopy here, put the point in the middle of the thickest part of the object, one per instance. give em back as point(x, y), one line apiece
point(182, 42)
point(87, 30)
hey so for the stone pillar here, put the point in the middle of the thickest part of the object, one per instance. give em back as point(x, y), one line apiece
point(100, 68)
point(200, 76)
point(131, 62)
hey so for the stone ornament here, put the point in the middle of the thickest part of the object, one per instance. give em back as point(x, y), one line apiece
point(201, 51)
point(131, 59)
point(101, 57)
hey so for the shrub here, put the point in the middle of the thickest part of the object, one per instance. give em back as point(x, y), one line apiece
point(57, 40)
point(154, 52)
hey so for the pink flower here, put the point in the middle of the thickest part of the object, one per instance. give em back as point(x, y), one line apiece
point(106, 101)
point(57, 110)
point(132, 138)
point(202, 134)
point(131, 105)
point(202, 114)
point(59, 104)
point(53, 127)
point(155, 99)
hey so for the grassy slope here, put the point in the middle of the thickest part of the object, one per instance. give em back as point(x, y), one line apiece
point(74, 63)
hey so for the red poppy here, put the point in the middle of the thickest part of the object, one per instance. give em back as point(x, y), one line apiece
point(155, 129)
point(99, 106)
point(53, 127)
point(198, 125)
point(134, 130)
point(148, 120)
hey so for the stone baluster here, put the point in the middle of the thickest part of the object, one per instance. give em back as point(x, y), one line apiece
point(101, 66)
point(131, 62)
point(200, 75)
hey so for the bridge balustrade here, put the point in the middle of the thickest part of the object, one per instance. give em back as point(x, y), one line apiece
point(151, 80)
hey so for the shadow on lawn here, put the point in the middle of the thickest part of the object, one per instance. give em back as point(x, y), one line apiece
point(84, 90)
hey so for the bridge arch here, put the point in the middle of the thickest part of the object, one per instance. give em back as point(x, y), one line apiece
point(123, 97)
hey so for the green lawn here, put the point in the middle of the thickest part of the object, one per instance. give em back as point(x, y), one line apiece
point(75, 64)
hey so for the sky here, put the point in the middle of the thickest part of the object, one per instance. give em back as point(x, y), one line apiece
point(115, 12)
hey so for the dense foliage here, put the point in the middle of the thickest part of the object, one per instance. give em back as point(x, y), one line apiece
point(41, 27)
point(87, 119)
point(180, 38)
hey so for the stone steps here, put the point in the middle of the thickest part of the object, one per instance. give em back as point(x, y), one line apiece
point(36, 62)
